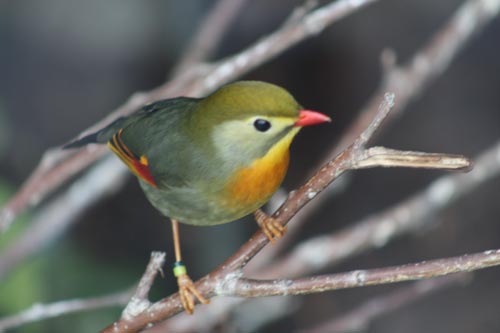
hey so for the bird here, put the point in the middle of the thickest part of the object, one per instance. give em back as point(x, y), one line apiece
point(211, 160)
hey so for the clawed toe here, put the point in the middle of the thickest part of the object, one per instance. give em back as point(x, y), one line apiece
point(269, 226)
point(188, 293)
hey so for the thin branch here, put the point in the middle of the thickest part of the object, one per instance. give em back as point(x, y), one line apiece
point(44, 311)
point(390, 158)
point(358, 319)
point(58, 166)
point(360, 278)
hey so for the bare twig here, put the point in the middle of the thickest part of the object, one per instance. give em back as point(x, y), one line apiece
point(44, 311)
point(360, 278)
point(383, 157)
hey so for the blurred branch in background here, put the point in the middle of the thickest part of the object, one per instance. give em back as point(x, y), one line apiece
point(45, 311)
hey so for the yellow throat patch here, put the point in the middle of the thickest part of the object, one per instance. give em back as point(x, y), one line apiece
point(251, 187)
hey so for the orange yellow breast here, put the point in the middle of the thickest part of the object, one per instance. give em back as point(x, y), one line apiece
point(252, 186)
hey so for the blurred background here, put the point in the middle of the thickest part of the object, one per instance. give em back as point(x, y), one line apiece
point(65, 64)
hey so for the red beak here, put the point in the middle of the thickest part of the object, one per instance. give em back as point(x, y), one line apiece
point(308, 117)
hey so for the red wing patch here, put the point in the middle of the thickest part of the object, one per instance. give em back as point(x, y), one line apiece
point(138, 165)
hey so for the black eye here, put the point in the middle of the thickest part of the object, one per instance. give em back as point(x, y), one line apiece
point(261, 125)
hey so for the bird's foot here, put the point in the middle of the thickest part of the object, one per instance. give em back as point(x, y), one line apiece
point(269, 226)
point(187, 290)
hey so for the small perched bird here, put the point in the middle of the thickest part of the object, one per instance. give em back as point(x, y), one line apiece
point(212, 160)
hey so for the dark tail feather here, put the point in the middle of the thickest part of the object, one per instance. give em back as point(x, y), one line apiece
point(91, 138)
point(101, 136)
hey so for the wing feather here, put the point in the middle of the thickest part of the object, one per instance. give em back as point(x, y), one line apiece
point(139, 165)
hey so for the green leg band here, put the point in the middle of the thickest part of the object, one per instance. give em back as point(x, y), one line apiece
point(179, 269)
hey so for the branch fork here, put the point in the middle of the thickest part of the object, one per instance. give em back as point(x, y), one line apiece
point(139, 301)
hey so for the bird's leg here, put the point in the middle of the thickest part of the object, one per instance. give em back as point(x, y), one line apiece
point(187, 290)
point(269, 226)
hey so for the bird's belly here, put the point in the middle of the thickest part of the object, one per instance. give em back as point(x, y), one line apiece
point(189, 205)
point(213, 203)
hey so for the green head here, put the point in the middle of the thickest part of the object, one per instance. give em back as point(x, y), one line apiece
point(245, 99)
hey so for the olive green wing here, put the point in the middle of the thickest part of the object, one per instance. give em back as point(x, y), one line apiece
point(147, 140)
